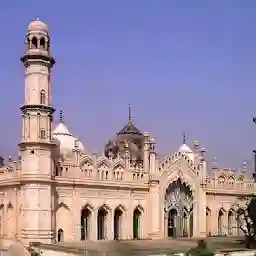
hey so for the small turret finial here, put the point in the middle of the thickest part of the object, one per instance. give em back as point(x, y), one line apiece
point(184, 138)
point(37, 19)
point(61, 115)
point(130, 113)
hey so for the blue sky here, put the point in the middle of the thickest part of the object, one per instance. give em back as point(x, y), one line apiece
point(185, 66)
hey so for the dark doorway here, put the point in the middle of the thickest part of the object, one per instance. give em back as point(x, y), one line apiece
point(85, 223)
point(117, 224)
point(172, 222)
point(60, 235)
point(136, 223)
point(101, 221)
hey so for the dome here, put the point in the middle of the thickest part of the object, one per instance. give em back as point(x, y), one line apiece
point(184, 148)
point(129, 138)
point(66, 140)
point(37, 25)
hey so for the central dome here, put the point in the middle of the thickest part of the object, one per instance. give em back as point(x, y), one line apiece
point(129, 138)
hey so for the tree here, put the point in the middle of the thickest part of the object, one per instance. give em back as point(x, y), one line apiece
point(246, 218)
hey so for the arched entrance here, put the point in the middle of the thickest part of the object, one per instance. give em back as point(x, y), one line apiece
point(220, 222)
point(178, 210)
point(137, 223)
point(172, 222)
point(102, 223)
point(85, 223)
point(60, 235)
point(208, 222)
point(118, 214)
point(231, 219)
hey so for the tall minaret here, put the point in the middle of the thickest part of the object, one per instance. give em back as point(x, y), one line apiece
point(36, 145)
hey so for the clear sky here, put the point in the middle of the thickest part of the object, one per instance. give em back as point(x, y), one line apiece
point(185, 66)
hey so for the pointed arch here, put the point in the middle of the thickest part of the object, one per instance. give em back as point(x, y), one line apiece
point(42, 43)
point(139, 207)
point(221, 180)
point(103, 162)
point(121, 207)
point(86, 221)
point(174, 157)
point(87, 206)
point(118, 164)
point(222, 209)
point(231, 221)
point(174, 174)
point(42, 97)
point(240, 178)
point(102, 216)
point(118, 221)
point(221, 216)
point(208, 221)
point(231, 180)
point(85, 159)
point(137, 222)
point(34, 42)
point(9, 205)
point(60, 235)
point(62, 205)
point(104, 207)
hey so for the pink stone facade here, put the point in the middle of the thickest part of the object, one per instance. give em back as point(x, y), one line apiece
point(57, 191)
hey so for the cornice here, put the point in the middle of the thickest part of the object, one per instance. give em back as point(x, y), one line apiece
point(37, 57)
point(36, 107)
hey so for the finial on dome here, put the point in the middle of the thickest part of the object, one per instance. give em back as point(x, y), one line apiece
point(61, 115)
point(37, 19)
point(184, 137)
point(130, 113)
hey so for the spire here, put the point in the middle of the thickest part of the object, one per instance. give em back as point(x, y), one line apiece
point(129, 128)
point(61, 115)
point(130, 113)
point(184, 138)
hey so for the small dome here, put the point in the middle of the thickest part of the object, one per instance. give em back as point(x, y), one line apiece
point(184, 148)
point(37, 25)
point(67, 142)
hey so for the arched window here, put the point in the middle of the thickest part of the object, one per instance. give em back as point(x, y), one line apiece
point(42, 134)
point(42, 43)
point(28, 43)
point(42, 97)
point(34, 43)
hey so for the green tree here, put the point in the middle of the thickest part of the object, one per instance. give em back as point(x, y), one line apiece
point(246, 219)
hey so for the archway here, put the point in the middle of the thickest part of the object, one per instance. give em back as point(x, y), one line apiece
point(102, 223)
point(240, 221)
point(220, 222)
point(230, 223)
point(85, 223)
point(172, 222)
point(208, 222)
point(118, 214)
point(60, 235)
point(178, 210)
point(137, 223)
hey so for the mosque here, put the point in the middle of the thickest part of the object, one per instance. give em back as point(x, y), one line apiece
point(58, 192)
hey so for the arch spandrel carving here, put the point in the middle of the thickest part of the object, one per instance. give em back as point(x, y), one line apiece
point(179, 169)
point(178, 161)
point(169, 177)
point(85, 159)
